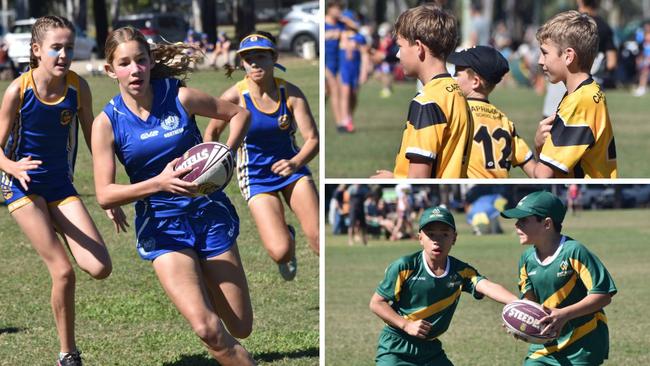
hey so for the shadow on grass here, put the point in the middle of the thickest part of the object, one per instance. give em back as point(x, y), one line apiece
point(10, 330)
point(201, 360)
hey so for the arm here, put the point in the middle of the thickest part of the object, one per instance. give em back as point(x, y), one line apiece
point(308, 130)
point(558, 317)
point(379, 306)
point(216, 126)
point(10, 104)
point(542, 171)
point(197, 102)
point(110, 194)
point(529, 168)
point(420, 168)
point(495, 291)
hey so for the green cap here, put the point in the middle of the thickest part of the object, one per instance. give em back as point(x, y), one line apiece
point(438, 213)
point(541, 203)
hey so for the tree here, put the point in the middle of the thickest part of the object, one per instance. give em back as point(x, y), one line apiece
point(101, 25)
point(244, 12)
point(209, 19)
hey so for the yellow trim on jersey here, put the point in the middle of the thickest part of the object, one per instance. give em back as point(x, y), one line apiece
point(468, 273)
point(583, 272)
point(63, 201)
point(435, 307)
point(71, 81)
point(556, 299)
point(577, 333)
point(279, 84)
point(23, 201)
point(401, 278)
point(523, 278)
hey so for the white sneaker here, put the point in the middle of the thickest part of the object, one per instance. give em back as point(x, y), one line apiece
point(639, 92)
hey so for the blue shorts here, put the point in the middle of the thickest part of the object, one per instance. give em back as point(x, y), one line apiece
point(277, 185)
point(210, 231)
point(54, 193)
point(349, 74)
point(332, 65)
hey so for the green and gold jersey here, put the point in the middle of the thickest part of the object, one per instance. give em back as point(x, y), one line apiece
point(438, 129)
point(496, 146)
point(415, 292)
point(581, 143)
point(568, 277)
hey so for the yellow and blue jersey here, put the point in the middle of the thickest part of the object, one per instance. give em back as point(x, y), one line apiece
point(581, 143)
point(332, 37)
point(270, 138)
point(439, 129)
point(496, 145)
point(46, 131)
point(571, 274)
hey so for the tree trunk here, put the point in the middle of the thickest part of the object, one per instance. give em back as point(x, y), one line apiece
point(101, 25)
point(81, 16)
point(115, 10)
point(196, 16)
point(209, 19)
point(244, 11)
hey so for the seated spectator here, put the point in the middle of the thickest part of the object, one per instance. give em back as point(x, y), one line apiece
point(483, 214)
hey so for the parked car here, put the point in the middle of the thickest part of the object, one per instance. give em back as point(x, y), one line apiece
point(156, 27)
point(19, 37)
point(299, 26)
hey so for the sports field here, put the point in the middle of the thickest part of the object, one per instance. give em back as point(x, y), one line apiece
point(380, 123)
point(475, 337)
point(127, 319)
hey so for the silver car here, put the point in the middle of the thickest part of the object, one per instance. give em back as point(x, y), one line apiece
point(299, 26)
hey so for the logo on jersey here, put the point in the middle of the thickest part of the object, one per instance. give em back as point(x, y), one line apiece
point(170, 122)
point(564, 269)
point(66, 116)
point(284, 121)
point(146, 135)
point(147, 244)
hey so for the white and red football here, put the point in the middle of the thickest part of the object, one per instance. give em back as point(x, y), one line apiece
point(522, 317)
point(212, 166)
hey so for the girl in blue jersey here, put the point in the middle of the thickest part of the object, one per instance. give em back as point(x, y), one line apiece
point(270, 164)
point(41, 111)
point(191, 241)
point(333, 29)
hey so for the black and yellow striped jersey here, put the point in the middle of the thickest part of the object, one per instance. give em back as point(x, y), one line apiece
point(571, 274)
point(438, 129)
point(415, 292)
point(581, 143)
point(496, 145)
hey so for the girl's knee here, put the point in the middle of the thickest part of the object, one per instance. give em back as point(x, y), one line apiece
point(100, 271)
point(241, 329)
point(63, 274)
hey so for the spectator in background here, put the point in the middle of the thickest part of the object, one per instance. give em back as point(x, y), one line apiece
point(221, 55)
point(377, 216)
point(483, 214)
point(573, 198)
point(357, 217)
point(643, 61)
point(480, 26)
point(341, 210)
point(384, 56)
point(403, 226)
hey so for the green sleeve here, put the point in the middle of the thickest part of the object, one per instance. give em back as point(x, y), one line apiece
point(592, 271)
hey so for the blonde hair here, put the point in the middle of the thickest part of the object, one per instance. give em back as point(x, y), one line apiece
point(572, 29)
point(170, 59)
point(431, 25)
point(40, 28)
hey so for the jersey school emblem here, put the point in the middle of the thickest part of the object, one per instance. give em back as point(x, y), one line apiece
point(66, 116)
point(284, 122)
point(170, 122)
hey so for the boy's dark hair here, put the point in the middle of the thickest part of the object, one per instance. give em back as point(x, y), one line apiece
point(431, 25)
point(571, 29)
point(334, 3)
point(558, 227)
point(594, 4)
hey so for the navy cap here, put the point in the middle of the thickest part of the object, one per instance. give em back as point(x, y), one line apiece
point(486, 61)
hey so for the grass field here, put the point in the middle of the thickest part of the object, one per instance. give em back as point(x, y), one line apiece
point(127, 319)
point(475, 337)
point(380, 123)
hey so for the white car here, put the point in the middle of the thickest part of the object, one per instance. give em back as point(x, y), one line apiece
point(18, 42)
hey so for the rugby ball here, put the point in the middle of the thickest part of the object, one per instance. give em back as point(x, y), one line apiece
point(521, 317)
point(212, 166)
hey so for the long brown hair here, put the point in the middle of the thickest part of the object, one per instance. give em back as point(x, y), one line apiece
point(40, 28)
point(170, 59)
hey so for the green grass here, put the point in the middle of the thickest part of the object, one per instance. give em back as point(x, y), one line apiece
point(380, 123)
point(127, 319)
point(475, 337)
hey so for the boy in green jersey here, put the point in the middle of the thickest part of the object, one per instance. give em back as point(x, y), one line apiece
point(568, 280)
point(419, 293)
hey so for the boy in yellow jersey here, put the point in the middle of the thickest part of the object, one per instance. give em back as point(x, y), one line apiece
point(419, 293)
point(578, 141)
point(496, 145)
point(438, 132)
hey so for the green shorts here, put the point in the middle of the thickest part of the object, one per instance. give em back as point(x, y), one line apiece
point(590, 350)
point(397, 350)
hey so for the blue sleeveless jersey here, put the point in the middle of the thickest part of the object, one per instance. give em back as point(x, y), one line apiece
point(45, 131)
point(270, 138)
point(350, 61)
point(332, 36)
point(146, 147)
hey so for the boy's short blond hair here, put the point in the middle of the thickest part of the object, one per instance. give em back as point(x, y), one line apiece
point(572, 29)
point(433, 26)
